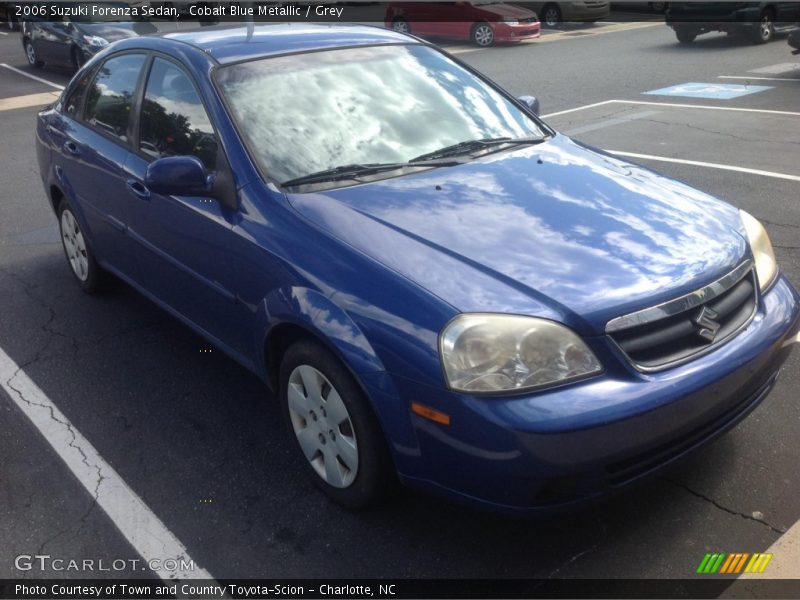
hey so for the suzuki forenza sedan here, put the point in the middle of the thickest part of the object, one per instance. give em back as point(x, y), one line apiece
point(437, 285)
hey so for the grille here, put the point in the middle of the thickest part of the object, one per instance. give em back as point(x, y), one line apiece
point(673, 332)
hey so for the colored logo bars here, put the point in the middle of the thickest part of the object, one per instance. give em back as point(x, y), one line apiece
point(721, 563)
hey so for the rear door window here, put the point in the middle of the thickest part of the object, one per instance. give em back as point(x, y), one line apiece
point(110, 97)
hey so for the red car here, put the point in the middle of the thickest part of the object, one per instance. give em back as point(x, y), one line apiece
point(482, 22)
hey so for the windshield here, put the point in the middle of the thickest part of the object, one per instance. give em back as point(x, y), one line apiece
point(306, 113)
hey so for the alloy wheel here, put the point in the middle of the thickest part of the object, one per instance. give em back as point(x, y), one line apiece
point(483, 35)
point(30, 53)
point(323, 427)
point(765, 27)
point(552, 17)
point(74, 245)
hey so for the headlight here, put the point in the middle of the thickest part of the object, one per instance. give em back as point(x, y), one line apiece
point(95, 40)
point(499, 353)
point(763, 254)
point(513, 20)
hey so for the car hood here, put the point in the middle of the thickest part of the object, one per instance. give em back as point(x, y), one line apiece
point(118, 31)
point(506, 10)
point(581, 235)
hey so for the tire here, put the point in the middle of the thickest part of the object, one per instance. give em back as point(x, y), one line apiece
point(482, 34)
point(79, 255)
point(551, 15)
point(30, 54)
point(658, 7)
point(685, 35)
point(334, 428)
point(78, 58)
point(401, 25)
point(764, 30)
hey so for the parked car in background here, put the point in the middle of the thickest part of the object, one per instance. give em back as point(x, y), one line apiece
point(73, 40)
point(553, 14)
point(657, 7)
point(757, 20)
point(435, 283)
point(483, 22)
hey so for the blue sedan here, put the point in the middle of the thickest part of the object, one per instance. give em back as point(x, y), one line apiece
point(438, 287)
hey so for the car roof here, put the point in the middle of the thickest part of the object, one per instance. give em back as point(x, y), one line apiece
point(229, 44)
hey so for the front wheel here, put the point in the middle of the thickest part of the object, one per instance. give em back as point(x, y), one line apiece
point(685, 35)
point(551, 15)
point(79, 255)
point(30, 54)
point(483, 34)
point(337, 434)
point(764, 29)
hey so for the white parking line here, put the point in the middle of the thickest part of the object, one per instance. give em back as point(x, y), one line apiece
point(27, 101)
point(796, 80)
point(3, 33)
point(577, 108)
point(709, 165)
point(675, 105)
point(134, 519)
point(776, 69)
point(34, 77)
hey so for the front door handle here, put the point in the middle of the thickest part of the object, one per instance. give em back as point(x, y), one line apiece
point(138, 189)
point(72, 148)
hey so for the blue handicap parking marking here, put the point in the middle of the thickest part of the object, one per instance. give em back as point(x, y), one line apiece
point(720, 91)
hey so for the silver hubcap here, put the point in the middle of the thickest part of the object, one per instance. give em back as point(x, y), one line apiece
point(30, 53)
point(766, 27)
point(483, 35)
point(323, 427)
point(401, 26)
point(74, 245)
point(551, 17)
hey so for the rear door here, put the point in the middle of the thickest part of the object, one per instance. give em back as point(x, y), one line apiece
point(93, 144)
point(187, 240)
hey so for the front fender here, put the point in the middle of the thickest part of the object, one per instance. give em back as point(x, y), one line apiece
point(322, 317)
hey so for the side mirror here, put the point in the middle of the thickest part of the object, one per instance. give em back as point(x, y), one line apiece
point(178, 176)
point(531, 102)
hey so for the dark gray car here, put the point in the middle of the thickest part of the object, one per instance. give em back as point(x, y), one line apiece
point(758, 20)
point(73, 40)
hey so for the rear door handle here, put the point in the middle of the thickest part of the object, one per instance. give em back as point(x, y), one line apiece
point(72, 148)
point(138, 189)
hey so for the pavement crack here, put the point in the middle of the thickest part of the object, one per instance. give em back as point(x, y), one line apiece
point(722, 507)
point(73, 443)
point(28, 289)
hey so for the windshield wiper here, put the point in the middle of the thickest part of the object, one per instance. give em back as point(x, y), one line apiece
point(356, 170)
point(473, 145)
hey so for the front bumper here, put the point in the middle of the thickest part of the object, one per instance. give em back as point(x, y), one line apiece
point(512, 32)
point(537, 452)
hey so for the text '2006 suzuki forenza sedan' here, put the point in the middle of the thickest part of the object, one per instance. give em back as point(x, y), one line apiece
point(436, 284)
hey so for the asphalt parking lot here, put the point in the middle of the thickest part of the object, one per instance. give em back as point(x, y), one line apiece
point(200, 442)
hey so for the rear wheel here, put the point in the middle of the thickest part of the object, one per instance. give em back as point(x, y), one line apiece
point(483, 34)
point(764, 29)
point(30, 54)
point(551, 15)
point(77, 250)
point(337, 434)
point(685, 35)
